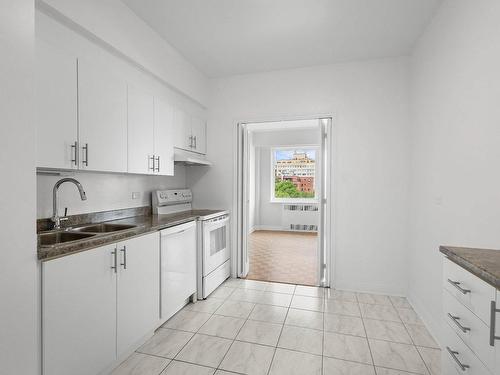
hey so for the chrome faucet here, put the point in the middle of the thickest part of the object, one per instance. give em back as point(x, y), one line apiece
point(55, 215)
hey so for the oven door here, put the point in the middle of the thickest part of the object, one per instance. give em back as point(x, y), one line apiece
point(215, 243)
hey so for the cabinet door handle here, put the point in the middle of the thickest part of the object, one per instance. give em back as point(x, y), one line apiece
point(124, 251)
point(493, 312)
point(456, 284)
point(195, 143)
point(191, 141)
point(456, 321)
point(74, 148)
point(158, 167)
point(151, 158)
point(86, 160)
point(454, 354)
point(115, 261)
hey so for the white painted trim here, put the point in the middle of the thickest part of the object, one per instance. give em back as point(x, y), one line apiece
point(330, 252)
point(278, 228)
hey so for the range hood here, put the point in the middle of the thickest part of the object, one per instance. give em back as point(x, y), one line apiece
point(189, 158)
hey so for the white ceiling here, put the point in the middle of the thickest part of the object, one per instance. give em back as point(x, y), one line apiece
point(227, 37)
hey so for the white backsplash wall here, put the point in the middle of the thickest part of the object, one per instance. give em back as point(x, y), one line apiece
point(105, 191)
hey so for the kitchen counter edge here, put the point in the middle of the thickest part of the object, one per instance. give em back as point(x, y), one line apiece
point(144, 225)
point(484, 263)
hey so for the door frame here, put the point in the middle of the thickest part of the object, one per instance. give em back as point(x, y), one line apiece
point(326, 233)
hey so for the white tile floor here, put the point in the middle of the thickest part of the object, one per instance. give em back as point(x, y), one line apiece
point(259, 328)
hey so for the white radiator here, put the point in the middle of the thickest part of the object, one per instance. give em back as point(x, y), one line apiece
point(300, 217)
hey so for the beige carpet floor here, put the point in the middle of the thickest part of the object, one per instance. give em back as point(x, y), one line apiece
point(286, 257)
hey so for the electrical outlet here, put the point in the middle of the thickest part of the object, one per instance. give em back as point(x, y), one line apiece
point(136, 195)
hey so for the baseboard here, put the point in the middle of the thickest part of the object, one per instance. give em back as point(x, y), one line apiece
point(278, 228)
point(432, 322)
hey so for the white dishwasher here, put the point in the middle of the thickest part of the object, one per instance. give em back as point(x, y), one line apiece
point(178, 268)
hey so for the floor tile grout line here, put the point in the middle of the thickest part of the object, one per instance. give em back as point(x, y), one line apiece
point(283, 324)
point(413, 341)
point(232, 343)
point(366, 333)
point(279, 337)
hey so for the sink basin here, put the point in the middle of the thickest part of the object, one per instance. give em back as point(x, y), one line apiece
point(47, 239)
point(103, 228)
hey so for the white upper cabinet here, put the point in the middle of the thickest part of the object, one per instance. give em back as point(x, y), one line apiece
point(140, 132)
point(150, 134)
point(163, 137)
point(190, 132)
point(182, 130)
point(89, 118)
point(102, 100)
point(56, 107)
point(199, 134)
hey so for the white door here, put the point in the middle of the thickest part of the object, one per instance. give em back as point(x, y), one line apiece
point(79, 313)
point(182, 130)
point(102, 101)
point(140, 131)
point(178, 267)
point(56, 113)
point(244, 199)
point(163, 137)
point(199, 134)
point(138, 290)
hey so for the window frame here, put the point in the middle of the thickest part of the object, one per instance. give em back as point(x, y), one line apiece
point(273, 199)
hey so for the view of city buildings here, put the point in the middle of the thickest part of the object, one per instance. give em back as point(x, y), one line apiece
point(297, 167)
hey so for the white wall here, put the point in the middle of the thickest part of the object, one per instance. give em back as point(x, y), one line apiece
point(369, 101)
point(104, 191)
point(269, 214)
point(114, 23)
point(18, 273)
point(455, 184)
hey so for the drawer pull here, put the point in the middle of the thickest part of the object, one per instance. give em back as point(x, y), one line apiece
point(493, 312)
point(455, 358)
point(456, 321)
point(456, 284)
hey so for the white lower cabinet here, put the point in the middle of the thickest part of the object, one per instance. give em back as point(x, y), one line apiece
point(138, 302)
point(469, 319)
point(79, 313)
point(98, 304)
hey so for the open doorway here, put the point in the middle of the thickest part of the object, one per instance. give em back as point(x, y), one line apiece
point(283, 206)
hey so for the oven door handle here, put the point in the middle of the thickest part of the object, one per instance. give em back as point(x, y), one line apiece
point(218, 223)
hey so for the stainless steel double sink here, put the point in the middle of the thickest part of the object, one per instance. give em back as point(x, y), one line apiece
point(79, 233)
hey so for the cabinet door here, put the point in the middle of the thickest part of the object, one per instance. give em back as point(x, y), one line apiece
point(138, 289)
point(140, 131)
point(199, 133)
point(178, 267)
point(79, 313)
point(182, 130)
point(56, 113)
point(164, 137)
point(102, 100)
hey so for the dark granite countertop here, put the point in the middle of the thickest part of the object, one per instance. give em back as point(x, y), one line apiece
point(143, 224)
point(483, 263)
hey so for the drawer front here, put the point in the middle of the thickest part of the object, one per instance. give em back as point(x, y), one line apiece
point(456, 354)
point(472, 330)
point(470, 290)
